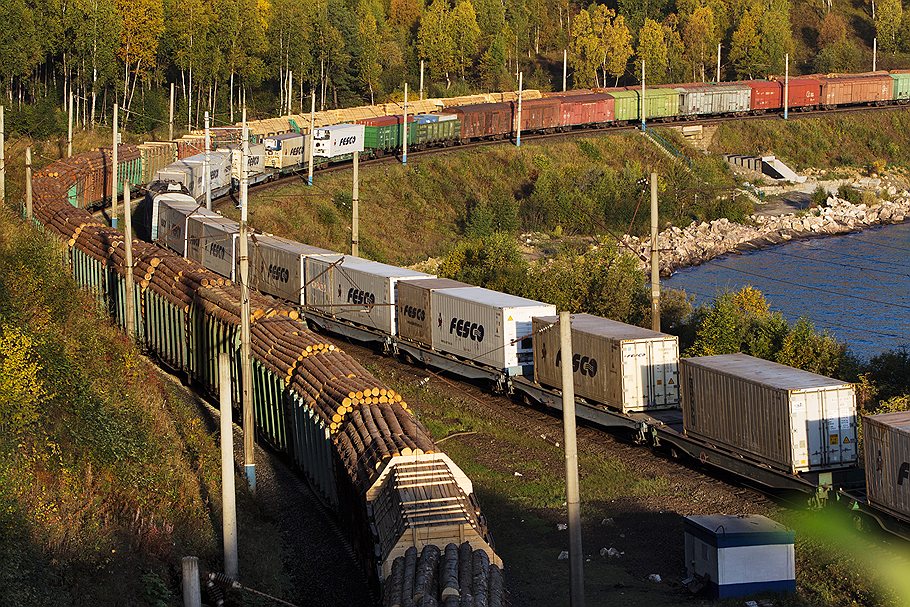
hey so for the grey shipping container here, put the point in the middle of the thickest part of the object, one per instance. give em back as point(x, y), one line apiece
point(212, 242)
point(415, 311)
point(169, 198)
point(714, 99)
point(190, 173)
point(886, 443)
point(356, 289)
point(278, 266)
point(173, 217)
point(622, 366)
point(790, 419)
point(486, 327)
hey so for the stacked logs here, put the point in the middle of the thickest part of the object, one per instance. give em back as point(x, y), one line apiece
point(455, 577)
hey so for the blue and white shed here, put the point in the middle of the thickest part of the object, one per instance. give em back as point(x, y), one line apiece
point(740, 555)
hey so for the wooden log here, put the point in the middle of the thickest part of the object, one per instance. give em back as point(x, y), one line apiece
point(496, 587)
point(464, 568)
point(448, 573)
point(480, 565)
point(409, 574)
point(426, 572)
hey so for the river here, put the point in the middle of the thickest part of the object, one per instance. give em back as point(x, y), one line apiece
point(856, 286)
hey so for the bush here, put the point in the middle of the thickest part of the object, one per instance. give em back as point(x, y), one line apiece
point(819, 197)
point(850, 194)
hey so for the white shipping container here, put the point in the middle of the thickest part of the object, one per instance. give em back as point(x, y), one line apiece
point(190, 172)
point(286, 150)
point(619, 365)
point(887, 449)
point(415, 310)
point(173, 217)
point(212, 242)
point(337, 140)
point(166, 198)
point(278, 266)
point(486, 327)
point(255, 160)
point(787, 418)
point(356, 289)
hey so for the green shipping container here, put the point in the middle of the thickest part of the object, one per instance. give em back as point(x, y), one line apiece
point(659, 103)
point(901, 84)
point(432, 133)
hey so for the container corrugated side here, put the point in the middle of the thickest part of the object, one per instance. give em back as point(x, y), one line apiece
point(739, 402)
point(217, 250)
point(255, 161)
point(356, 289)
point(886, 443)
point(486, 327)
point(615, 364)
point(278, 266)
point(415, 310)
point(172, 216)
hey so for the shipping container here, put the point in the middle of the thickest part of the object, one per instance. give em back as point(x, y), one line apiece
point(173, 199)
point(901, 90)
point(659, 103)
point(484, 120)
point(857, 89)
point(486, 327)
point(591, 109)
point(415, 311)
point(622, 366)
point(765, 95)
point(278, 266)
point(173, 214)
point(802, 91)
point(539, 114)
point(787, 418)
point(384, 134)
point(356, 289)
point(255, 161)
point(190, 173)
point(338, 140)
point(212, 241)
point(285, 151)
point(886, 444)
point(707, 99)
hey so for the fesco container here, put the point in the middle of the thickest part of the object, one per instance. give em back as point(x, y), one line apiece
point(486, 327)
point(593, 108)
point(173, 213)
point(278, 266)
point(765, 95)
point(190, 172)
point(338, 140)
point(901, 88)
point(852, 89)
point(169, 201)
point(255, 160)
point(622, 366)
point(886, 443)
point(704, 99)
point(484, 120)
point(212, 241)
point(787, 418)
point(285, 150)
point(415, 308)
point(356, 289)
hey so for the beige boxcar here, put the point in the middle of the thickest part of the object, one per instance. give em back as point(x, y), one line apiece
point(415, 313)
point(619, 365)
point(790, 419)
point(887, 449)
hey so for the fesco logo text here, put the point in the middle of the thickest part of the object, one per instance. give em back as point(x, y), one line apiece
point(585, 365)
point(357, 296)
point(279, 273)
point(414, 312)
point(349, 140)
point(466, 329)
point(217, 250)
point(903, 473)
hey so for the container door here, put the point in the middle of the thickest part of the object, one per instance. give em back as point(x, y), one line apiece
point(636, 375)
point(840, 413)
point(663, 362)
point(804, 431)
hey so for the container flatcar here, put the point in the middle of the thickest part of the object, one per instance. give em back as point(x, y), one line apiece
point(278, 266)
point(286, 151)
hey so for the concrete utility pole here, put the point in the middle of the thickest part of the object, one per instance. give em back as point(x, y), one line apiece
point(643, 125)
point(28, 183)
point(114, 182)
point(228, 494)
point(565, 68)
point(355, 209)
point(786, 83)
point(69, 127)
point(207, 167)
point(655, 266)
point(170, 121)
point(192, 594)
point(421, 79)
point(128, 244)
point(874, 53)
point(576, 556)
point(2, 159)
point(309, 178)
point(404, 128)
point(518, 125)
point(717, 77)
point(246, 365)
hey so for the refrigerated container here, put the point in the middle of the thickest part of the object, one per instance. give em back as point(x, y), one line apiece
point(285, 151)
point(338, 140)
point(190, 172)
point(255, 161)
point(787, 418)
point(886, 444)
point(486, 327)
point(172, 217)
point(356, 289)
point(622, 366)
point(278, 266)
point(415, 308)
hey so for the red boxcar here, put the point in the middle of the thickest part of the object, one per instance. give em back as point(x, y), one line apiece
point(484, 120)
point(766, 95)
point(593, 108)
point(539, 114)
point(853, 89)
point(805, 91)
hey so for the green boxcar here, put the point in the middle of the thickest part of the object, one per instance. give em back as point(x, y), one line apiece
point(659, 103)
point(384, 133)
point(437, 132)
point(901, 84)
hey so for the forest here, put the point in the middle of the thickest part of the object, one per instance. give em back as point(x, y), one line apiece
point(275, 53)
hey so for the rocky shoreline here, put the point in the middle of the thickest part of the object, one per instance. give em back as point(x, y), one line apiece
point(702, 241)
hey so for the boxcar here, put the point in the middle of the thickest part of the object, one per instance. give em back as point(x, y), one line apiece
point(539, 114)
point(854, 89)
point(659, 103)
point(436, 129)
point(765, 95)
point(804, 91)
point(901, 90)
point(383, 134)
point(589, 109)
point(484, 120)
point(704, 99)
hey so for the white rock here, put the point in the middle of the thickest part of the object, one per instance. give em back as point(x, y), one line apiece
point(654, 578)
point(561, 526)
point(563, 556)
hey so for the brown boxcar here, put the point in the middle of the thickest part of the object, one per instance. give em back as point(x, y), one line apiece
point(484, 120)
point(854, 89)
point(594, 108)
point(766, 95)
point(539, 114)
point(804, 91)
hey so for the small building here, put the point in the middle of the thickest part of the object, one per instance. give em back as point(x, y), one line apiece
point(736, 556)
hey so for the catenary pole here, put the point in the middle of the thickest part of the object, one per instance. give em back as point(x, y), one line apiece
point(130, 307)
point(28, 183)
point(246, 371)
point(114, 182)
point(404, 128)
point(576, 556)
point(655, 266)
point(874, 53)
point(355, 209)
point(421, 79)
point(170, 121)
point(717, 74)
point(786, 83)
point(565, 68)
point(192, 593)
point(228, 494)
point(207, 166)
point(643, 125)
point(69, 127)
point(309, 178)
point(2, 159)
point(518, 122)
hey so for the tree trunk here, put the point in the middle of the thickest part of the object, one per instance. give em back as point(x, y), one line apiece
point(231, 102)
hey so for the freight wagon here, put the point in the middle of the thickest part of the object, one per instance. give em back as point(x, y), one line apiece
point(592, 109)
point(539, 115)
point(764, 95)
point(709, 99)
point(436, 130)
point(484, 120)
point(660, 103)
point(901, 87)
point(856, 89)
point(886, 443)
point(803, 92)
point(385, 133)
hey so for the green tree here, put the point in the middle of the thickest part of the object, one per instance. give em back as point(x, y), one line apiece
point(776, 33)
point(652, 49)
point(887, 23)
point(613, 41)
point(700, 38)
point(639, 12)
point(744, 47)
point(806, 349)
point(465, 33)
point(584, 51)
point(368, 59)
point(493, 71)
point(435, 42)
point(494, 262)
point(677, 69)
point(141, 27)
